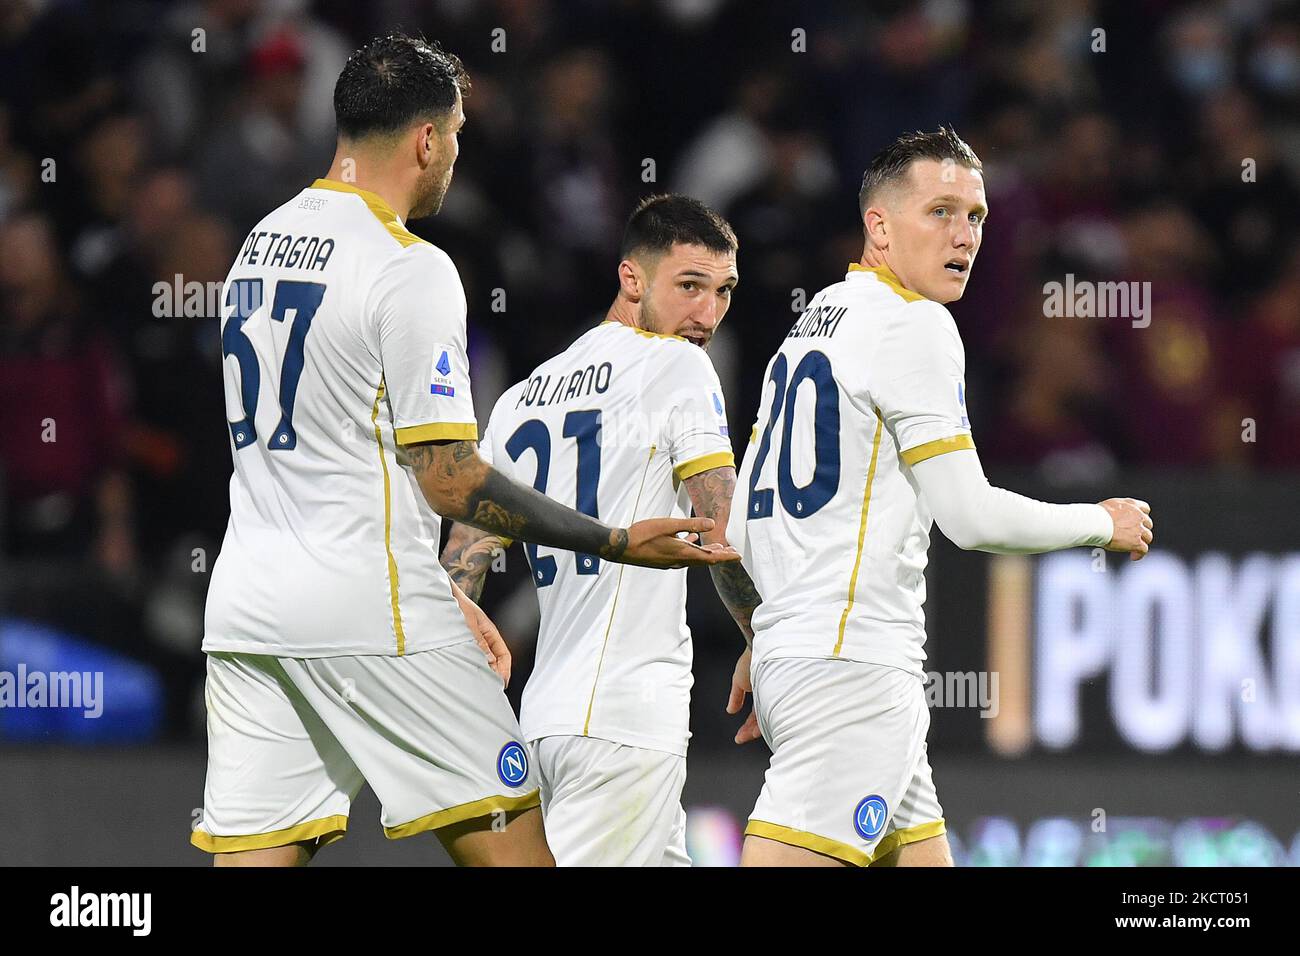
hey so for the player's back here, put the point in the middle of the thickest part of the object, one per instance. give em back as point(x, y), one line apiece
point(611, 426)
point(330, 545)
point(828, 517)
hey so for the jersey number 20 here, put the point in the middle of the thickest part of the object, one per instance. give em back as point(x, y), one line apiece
point(800, 501)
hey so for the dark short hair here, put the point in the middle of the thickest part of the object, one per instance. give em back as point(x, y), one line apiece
point(658, 222)
point(395, 81)
point(892, 163)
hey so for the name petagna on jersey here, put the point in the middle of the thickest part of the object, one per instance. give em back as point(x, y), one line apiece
point(283, 249)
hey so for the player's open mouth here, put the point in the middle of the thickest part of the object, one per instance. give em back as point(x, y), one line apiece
point(957, 266)
point(699, 340)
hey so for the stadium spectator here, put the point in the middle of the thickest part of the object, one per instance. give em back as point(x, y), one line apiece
point(129, 155)
point(62, 410)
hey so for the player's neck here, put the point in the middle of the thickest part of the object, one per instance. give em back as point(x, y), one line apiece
point(364, 176)
point(624, 312)
point(875, 259)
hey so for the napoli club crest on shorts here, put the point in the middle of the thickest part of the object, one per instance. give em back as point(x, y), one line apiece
point(869, 817)
point(512, 764)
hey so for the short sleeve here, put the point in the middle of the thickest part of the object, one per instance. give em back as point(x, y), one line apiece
point(923, 394)
point(497, 430)
point(419, 314)
point(695, 432)
point(485, 449)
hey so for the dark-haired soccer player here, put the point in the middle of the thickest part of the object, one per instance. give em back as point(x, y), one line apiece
point(629, 420)
point(338, 651)
point(862, 442)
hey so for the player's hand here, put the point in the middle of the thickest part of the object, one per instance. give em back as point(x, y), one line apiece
point(486, 635)
point(740, 686)
point(653, 543)
point(1134, 529)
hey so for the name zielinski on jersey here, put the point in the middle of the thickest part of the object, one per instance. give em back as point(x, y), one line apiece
point(578, 383)
point(820, 320)
point(281, 249)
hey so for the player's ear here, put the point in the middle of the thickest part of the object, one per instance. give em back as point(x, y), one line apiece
point(873, 225)
point(631, 280)
point(425, 143)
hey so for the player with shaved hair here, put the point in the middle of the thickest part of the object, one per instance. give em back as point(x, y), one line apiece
point(861, 445)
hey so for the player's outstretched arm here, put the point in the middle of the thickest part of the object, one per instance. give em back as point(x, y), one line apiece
point(468, 557)
point(711, 492)
point(459, 484)
point(978, 517)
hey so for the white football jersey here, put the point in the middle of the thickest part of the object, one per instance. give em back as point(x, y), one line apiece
point(612, 426)
point(343, 336)
point(828, 518)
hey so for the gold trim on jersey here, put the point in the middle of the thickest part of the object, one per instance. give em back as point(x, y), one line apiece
point(465, 811)
point(388, 525)
point(885, 275)
point(437, 431)
point(328, 829)
point(618, 585)
point(842, 851)
point(717, 459)
point(932, 449)
point(644, 333)
point(376, 204)
point(862, 534)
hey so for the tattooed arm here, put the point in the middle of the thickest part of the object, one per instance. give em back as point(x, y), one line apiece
point(459, 484)
point(468, 556)
point(711, 493)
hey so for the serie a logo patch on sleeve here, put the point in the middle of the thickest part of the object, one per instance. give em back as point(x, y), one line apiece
point(722, 415)
point(440, 380)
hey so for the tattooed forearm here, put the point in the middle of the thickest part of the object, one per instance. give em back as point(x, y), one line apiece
point(616, 545)
point(468, 557)
point(461, 485)
point(504, 506)
point(711, 493)
point(738, 593)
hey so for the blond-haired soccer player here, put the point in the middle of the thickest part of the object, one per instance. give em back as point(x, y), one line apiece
point(338, 651)
point(628, 420)
point(862, 443)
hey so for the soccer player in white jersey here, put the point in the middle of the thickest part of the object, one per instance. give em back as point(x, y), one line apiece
point(629, 420)
point(862, 442)
point(339, 652)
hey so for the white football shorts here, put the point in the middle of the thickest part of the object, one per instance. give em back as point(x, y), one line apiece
point(291, 740)
point(608, 804)
point(849, 775)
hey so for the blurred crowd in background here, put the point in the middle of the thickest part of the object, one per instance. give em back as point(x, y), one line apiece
point(1165, 149)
